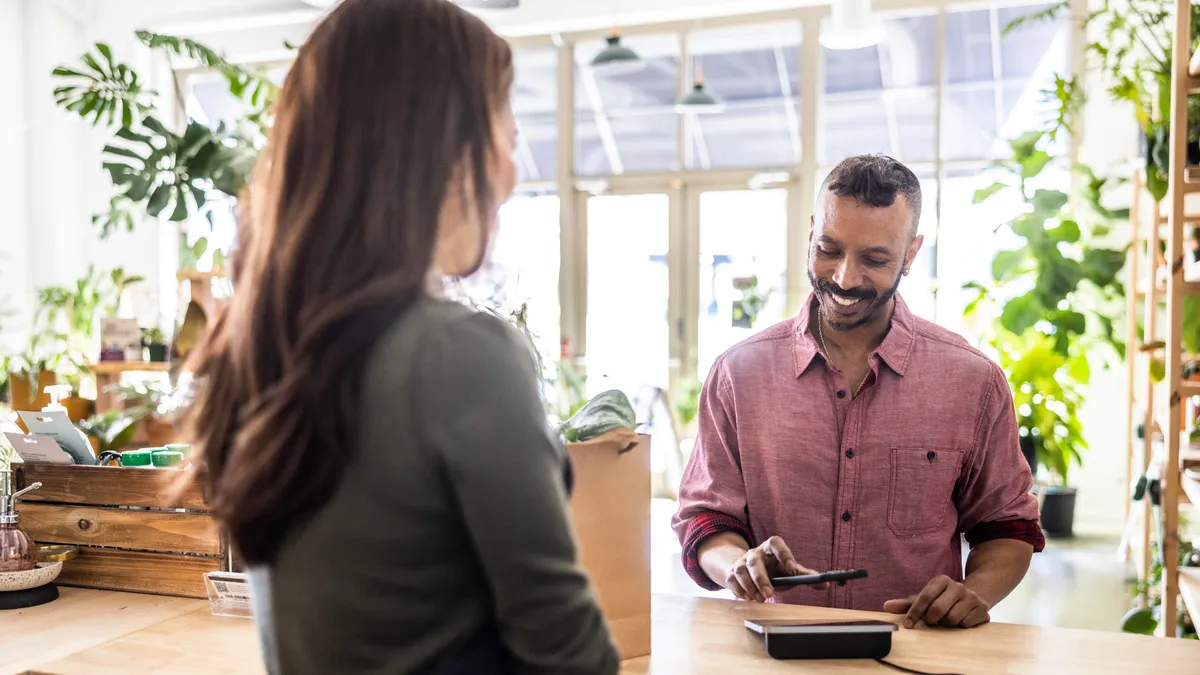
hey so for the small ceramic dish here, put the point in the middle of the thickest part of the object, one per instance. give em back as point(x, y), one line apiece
point(41, 575)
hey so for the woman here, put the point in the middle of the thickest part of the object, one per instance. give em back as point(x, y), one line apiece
point(379, 456)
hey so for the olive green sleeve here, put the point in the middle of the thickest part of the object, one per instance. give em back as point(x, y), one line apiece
point(483, 416)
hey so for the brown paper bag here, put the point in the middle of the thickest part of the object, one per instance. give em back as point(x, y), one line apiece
point(610, 511)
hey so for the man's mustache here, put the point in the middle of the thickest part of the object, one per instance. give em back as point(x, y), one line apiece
point(852, 294)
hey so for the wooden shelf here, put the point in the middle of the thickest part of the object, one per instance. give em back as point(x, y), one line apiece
point(1191, 487)
point(1189, 590)
point(118, 367)
point(1188, 457)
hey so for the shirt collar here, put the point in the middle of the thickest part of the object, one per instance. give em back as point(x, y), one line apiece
point(894, 350)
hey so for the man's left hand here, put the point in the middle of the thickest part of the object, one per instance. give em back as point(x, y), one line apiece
point(943, 602)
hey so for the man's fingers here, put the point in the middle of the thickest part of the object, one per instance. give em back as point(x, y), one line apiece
point(924, 599)
point(898, 606)
point(780, 551)
point(747, 582)
point(941, 606)
point(735, 587)
point(960, 611)
point(977, 617)
point(759, 575)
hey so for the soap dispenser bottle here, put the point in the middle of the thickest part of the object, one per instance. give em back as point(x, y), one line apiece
point(17, 550)
point(79, 447)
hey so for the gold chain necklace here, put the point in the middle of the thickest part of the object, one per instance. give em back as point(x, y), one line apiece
point(821, 335)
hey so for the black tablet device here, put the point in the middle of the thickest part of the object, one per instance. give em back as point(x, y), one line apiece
point(816, 639)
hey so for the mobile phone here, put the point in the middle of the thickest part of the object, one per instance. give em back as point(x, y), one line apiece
point(808, 579)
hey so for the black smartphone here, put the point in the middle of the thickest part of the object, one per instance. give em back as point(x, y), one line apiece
point(808, 579)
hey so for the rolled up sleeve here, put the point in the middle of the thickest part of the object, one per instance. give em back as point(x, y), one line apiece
point(712, 497)
point(993, 497)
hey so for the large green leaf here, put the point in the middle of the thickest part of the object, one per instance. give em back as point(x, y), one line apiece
point(984, 194)
point(1066, 232)
point(1049, 202)
point(1058, 277)
point(1101, 265)
point(1006, 263)
point(1020, 313)
point(104, 89)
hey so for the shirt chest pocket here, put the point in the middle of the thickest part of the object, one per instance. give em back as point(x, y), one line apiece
point(922, 489)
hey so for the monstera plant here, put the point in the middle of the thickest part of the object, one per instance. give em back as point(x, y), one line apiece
point(155, 170)
point(1050, 300)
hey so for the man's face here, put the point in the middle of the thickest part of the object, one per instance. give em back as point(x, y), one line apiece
point(857, 256)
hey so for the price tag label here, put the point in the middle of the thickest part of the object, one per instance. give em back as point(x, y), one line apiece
point(228, 594)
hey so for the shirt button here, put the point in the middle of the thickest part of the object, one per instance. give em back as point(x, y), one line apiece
point(850, 453)
point(842, 583)
point(931, 455)
point(841, 393)
point(846, 516)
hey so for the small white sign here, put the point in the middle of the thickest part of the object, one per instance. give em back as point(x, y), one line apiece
point(228, 594)
point(38, 449)
point(117, 334)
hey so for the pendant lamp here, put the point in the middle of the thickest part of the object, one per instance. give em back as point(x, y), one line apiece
point(699, 100)
point(852, 25)
point(616, 57)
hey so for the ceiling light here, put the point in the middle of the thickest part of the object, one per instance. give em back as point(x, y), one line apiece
point(616, 57)
point(699, 101)
point(852, 25)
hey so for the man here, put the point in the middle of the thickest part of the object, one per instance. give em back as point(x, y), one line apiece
point(857, 435)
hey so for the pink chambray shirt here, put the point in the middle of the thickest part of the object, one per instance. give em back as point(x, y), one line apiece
point(886, 481)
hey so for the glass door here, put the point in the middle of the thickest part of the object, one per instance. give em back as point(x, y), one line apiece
point(743, 258)
point(628, 291)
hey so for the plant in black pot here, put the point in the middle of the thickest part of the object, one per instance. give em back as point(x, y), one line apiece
point(1045, 312)
point(155, 343)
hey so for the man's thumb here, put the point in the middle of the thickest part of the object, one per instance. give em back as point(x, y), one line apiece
point(897, 606)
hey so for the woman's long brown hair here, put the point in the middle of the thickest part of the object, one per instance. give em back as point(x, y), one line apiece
point(387, 107)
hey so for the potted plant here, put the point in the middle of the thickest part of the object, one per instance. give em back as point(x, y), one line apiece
point(1047, 304)
point(155, 343)
point(152, 405)
point(31, 371)
point(107, 431)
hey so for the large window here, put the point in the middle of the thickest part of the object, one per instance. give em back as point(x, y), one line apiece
point(754, 72)
point(882, 98)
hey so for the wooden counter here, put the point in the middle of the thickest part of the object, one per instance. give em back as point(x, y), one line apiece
point(694, 636)
point(107, 633)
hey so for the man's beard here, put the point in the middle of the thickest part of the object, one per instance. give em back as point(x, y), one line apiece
point(876, 300)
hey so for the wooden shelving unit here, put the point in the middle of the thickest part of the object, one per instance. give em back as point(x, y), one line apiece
point(1181, 182)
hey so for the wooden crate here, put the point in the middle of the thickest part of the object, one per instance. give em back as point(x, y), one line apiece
point(132, 535)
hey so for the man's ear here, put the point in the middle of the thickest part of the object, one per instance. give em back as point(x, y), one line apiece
point(812, 226)
point(913, 247)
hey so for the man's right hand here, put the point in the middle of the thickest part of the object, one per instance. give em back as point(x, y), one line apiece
point(749, 577)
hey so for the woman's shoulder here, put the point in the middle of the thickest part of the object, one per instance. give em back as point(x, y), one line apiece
point(446, 332)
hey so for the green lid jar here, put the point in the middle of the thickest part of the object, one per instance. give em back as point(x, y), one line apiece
point(136, 457)
point(182, 448)
point(167, 458)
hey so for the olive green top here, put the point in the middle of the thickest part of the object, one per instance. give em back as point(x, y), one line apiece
point(449, 522)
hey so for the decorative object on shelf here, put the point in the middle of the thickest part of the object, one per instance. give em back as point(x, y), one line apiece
point(120, 336)
point(1041, 341)
point(156, 344)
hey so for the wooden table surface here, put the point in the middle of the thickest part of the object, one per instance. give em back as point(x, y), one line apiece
point(694, 636)
point(106, 633)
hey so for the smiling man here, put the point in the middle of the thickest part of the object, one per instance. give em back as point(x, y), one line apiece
point(857, 435)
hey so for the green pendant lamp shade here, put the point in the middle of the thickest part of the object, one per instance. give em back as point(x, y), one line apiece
point(699, 101)
point(616, 57)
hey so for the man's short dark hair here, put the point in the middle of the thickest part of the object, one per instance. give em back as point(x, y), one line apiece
point(875, 180)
